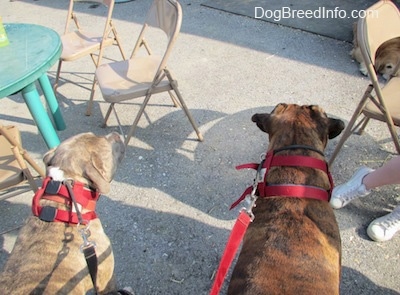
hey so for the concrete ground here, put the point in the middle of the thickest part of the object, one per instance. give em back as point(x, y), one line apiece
point(167, 214)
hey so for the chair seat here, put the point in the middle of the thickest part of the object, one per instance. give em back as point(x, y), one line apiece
point(391, 93)
point(119, 81)
point(10, 171)
point(81, 43)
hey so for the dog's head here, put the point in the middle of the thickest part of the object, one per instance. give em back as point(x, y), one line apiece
point(387, 58)
point(290, 124)
point(86, 158)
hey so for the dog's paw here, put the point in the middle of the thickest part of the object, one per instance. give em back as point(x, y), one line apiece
point(363, 69)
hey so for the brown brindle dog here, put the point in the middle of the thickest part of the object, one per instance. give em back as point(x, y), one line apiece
point(293, 245)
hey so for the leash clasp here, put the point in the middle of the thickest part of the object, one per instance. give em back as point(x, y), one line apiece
point(251, 203)
point(85, 234)
point(252, 198)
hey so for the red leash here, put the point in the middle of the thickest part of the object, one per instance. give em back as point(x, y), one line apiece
point(238, 231)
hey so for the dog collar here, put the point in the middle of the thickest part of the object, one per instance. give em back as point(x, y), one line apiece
point(288, 190)
point(57, 191)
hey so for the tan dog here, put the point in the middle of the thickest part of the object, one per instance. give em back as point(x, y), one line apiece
point(46, 258)
point(293, 245)
point(387, 59)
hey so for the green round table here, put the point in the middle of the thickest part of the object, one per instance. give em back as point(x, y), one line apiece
point(33, 49)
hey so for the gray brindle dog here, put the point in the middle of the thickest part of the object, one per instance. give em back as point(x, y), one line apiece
point(47, 256)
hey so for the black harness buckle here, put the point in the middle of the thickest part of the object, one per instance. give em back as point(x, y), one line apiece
point(48, 213)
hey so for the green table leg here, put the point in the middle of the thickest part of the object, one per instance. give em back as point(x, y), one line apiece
point(39, 114)
point(52, 102)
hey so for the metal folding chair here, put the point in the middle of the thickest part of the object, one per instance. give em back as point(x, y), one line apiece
point(145, 75)
point(380, 24)
point(78, 42)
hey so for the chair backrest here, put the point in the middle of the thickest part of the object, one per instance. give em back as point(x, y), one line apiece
point(167, 16)
point(72, 16)
point(380, 24)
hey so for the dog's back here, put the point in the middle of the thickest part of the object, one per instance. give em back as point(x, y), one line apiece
point(47, 260)
point(292, 247)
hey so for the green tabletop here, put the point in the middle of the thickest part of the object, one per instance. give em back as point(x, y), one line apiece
point(33, 49)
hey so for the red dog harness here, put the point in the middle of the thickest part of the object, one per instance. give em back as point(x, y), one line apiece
point(287, 190)
point(72, 194)
point(265, 190)
point(58, 191)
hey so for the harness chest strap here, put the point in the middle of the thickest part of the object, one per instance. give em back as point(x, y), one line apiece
point(291, 190)
point(56, 191)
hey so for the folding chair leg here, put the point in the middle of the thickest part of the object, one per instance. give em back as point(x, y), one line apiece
point(189, 115)
point(55, 86)
point(346, 134)
point(183, 105)
point(117, 40)
point(360, 130)
point(90, 102)
point(107, 115)
point(140, 113)
point(173, 98)
point(349, 129)
point(24, 168)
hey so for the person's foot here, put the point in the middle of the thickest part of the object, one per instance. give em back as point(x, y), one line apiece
point(353, 189)
point(385, 227)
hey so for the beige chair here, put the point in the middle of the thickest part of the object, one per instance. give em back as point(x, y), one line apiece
point(13, 167)
point(381, 23)
point(145, 75)
point(78, 42)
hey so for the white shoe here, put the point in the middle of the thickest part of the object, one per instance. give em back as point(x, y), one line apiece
point(385, 227)
point(353, 189)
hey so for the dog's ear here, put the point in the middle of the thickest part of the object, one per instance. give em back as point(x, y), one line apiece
point(96, 170)
point(48, 156)
point(336, 126)
point(262, 121)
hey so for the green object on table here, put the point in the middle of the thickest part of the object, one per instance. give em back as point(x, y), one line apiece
point(32, 50)
point(3, 35)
